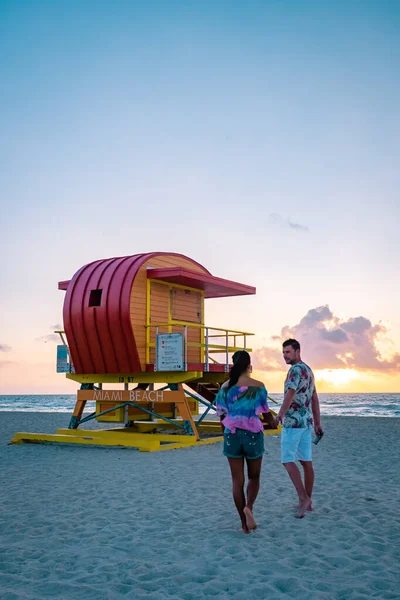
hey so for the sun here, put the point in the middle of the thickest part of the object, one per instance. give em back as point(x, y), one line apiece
point(336, 377)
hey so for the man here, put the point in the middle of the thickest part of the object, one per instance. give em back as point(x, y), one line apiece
point(299, 414)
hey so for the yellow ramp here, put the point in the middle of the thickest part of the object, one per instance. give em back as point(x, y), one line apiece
point(144, 443)
point(126, 437)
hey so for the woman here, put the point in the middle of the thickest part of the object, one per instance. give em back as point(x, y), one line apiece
point(239, 403)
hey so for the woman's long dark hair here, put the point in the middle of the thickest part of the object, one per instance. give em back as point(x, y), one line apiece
point(241, 362)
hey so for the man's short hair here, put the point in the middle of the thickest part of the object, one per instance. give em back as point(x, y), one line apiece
point(294, 343)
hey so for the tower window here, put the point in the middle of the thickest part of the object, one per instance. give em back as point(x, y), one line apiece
point(95, 298)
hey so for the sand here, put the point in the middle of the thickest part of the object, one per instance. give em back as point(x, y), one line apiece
point(93, 523)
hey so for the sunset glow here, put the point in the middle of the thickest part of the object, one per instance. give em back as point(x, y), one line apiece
point(267, 157)
point(336, 377)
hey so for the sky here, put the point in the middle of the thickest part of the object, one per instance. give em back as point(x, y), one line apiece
point(260, 138)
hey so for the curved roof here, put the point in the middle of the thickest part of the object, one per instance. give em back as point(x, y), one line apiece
point(102, 340)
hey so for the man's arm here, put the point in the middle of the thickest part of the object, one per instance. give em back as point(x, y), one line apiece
point(287, 401)
point(316, 412)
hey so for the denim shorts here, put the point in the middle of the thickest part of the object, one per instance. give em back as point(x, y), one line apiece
point(243, 444)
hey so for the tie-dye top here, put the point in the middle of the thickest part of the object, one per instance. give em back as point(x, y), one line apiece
point(240, 407)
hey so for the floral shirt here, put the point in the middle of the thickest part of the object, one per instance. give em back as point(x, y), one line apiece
point(240, 407)
point(299, 378)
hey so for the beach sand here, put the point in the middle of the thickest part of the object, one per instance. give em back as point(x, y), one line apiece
point(94, 523)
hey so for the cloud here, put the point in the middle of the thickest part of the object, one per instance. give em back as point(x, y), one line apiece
point(278, 220)
point(51, 337)
point(5, 348)
point(297, 226)
point(337, 336)
point(329, 342)
point(5, 363)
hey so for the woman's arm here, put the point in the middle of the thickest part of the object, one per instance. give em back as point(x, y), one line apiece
point(269, 420)
point(221, 406)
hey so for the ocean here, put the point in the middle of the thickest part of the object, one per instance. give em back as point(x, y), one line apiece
point(344, 405)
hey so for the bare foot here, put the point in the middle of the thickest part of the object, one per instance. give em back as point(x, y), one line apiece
point(303, 507)
point(244, 529)
point(250, 522)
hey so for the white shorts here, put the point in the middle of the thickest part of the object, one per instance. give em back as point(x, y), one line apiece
point(296, 444)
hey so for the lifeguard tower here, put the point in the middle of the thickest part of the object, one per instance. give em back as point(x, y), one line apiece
point(138, 322)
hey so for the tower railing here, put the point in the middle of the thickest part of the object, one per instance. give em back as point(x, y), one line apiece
point(215, 341)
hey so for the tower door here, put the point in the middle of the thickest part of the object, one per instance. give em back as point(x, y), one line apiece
point(186, 307)
point(159, 312)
